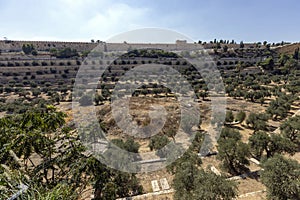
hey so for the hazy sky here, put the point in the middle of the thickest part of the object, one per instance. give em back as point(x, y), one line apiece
point(83, 20)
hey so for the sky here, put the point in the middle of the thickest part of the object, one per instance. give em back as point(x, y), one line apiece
point(205, 20)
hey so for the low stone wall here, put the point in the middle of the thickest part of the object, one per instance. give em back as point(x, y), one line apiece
point(12, 45)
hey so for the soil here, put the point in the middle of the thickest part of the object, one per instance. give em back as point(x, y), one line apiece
point(139, 108)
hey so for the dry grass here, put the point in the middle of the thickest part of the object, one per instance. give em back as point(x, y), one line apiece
point(249, 185)
point(245, 186)
point(146, 178)
point(288, 49)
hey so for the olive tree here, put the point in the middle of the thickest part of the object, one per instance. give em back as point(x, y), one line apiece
point(281, 177)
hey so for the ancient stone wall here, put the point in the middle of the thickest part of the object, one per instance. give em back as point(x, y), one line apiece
point(7, 45)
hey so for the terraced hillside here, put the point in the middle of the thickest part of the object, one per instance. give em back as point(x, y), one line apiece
point(41, 146)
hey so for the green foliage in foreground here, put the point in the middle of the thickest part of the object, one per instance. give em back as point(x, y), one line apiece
point(10, 182)
point(40, 151)
point(192, 183)
point(282, 178)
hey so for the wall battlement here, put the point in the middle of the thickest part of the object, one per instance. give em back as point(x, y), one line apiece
point(14, 45)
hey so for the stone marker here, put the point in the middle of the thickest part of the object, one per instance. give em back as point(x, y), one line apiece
point(164, 184)
point(215, 170)
point(254, 161)
point(155, 186)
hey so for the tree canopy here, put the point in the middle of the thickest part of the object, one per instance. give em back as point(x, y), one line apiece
point(192, 183)
point(291, 128)
point(261, 142)
point(65, 167)
point(28, 49)
point(232, 151)
point(281, 177)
